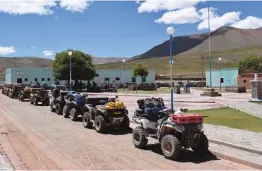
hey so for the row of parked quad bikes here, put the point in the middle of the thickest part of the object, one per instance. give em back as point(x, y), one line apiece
point(173, 131)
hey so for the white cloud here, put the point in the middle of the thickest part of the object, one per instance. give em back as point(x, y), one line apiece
point(48, 53)
point(32, 47)
point(158, 5)
point(6, 50)
point(204, 13)
point(40, 7)
point(183, 16)
point(74, 5)
point(248, 23)
point(217, 21)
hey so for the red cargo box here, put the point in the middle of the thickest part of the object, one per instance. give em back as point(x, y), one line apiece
point(187, 118)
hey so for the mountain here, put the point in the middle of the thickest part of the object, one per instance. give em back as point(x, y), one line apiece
point(29, 62)
point(224, 38)
point(103, 60)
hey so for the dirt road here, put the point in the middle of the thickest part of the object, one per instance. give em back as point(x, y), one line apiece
point(35, 138)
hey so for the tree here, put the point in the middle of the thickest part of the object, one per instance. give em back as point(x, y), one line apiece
point(251, 64)
point(140, 70)
point(82, 66)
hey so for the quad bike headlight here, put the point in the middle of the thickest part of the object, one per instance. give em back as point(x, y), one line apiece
point(180, 128)
point(200, 126)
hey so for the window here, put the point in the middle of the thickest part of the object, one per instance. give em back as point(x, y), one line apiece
point(244, 81)
point(221, 80)
point(106, 79)
point(97, 75)
point(143, 79)
point(26, 79)
point(133, 79)
point(19, 80)
point(48, 79)
point(35, 79)
point(117, 78)
point(43, 79)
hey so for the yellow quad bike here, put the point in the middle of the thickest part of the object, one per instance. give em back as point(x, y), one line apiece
point(24, 94)
point(105, 113)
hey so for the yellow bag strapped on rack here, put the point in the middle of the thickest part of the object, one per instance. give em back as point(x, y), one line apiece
point(115, 105)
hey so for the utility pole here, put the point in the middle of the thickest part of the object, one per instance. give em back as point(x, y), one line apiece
point(202, 66)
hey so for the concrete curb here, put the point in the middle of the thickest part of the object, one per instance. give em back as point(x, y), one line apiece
point(230, 158)
point(239, 147)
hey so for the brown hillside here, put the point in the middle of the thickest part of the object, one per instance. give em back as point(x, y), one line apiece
point(224, 38)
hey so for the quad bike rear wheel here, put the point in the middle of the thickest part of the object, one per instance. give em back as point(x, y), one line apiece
point(73, 114)
point(46, 103)
point(139, 138)
point(125, 124)
point(202, 146)
point(100, 124)
point(87, 120)
point(171, 147)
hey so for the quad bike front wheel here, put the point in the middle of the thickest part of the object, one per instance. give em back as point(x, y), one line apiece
point(58, 109)
point(52, 107)
point(87, 120)
point(35, 101)
point(139, 138)
point(171, 147)
point(202, 146)
point(100, 124)
point(73, 114)
point(65, 111)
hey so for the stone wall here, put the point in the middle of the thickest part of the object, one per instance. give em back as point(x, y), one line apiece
point(244, 79)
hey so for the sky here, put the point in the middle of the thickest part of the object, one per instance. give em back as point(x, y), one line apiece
point(41, 28)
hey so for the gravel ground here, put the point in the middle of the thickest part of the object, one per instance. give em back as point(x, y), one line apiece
point(44, 140)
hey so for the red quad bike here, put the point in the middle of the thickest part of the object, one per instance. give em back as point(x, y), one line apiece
point(174, 132)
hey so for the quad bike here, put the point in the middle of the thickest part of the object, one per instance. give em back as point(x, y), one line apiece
point(39, 95)
point(69, 98)
point(57, 103)
point(173, 131)
point(24, 94)
point(14, 91)
point(101, 113)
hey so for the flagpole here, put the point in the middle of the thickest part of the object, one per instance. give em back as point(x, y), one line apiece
point(209, 52)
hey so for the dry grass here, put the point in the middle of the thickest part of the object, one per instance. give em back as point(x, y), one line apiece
point(189, 63)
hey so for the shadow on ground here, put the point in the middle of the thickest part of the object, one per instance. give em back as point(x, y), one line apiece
point(111, 131)
point(185, 156)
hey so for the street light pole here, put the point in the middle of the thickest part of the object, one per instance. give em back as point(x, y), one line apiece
point(123, 73)
point(209, 53)
point(220, 64)
point(171, 31)
point(70, 69)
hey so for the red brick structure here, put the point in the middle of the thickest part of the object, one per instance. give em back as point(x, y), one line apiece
point(244, 79)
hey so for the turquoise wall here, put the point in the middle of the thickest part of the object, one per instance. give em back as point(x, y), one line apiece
point(229, 75)
point(118, 73)
point(28, 75)
point(12, 74)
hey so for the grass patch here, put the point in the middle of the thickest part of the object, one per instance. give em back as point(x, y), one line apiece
point(231, 118)
point(188, 63)
point(161, 90)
